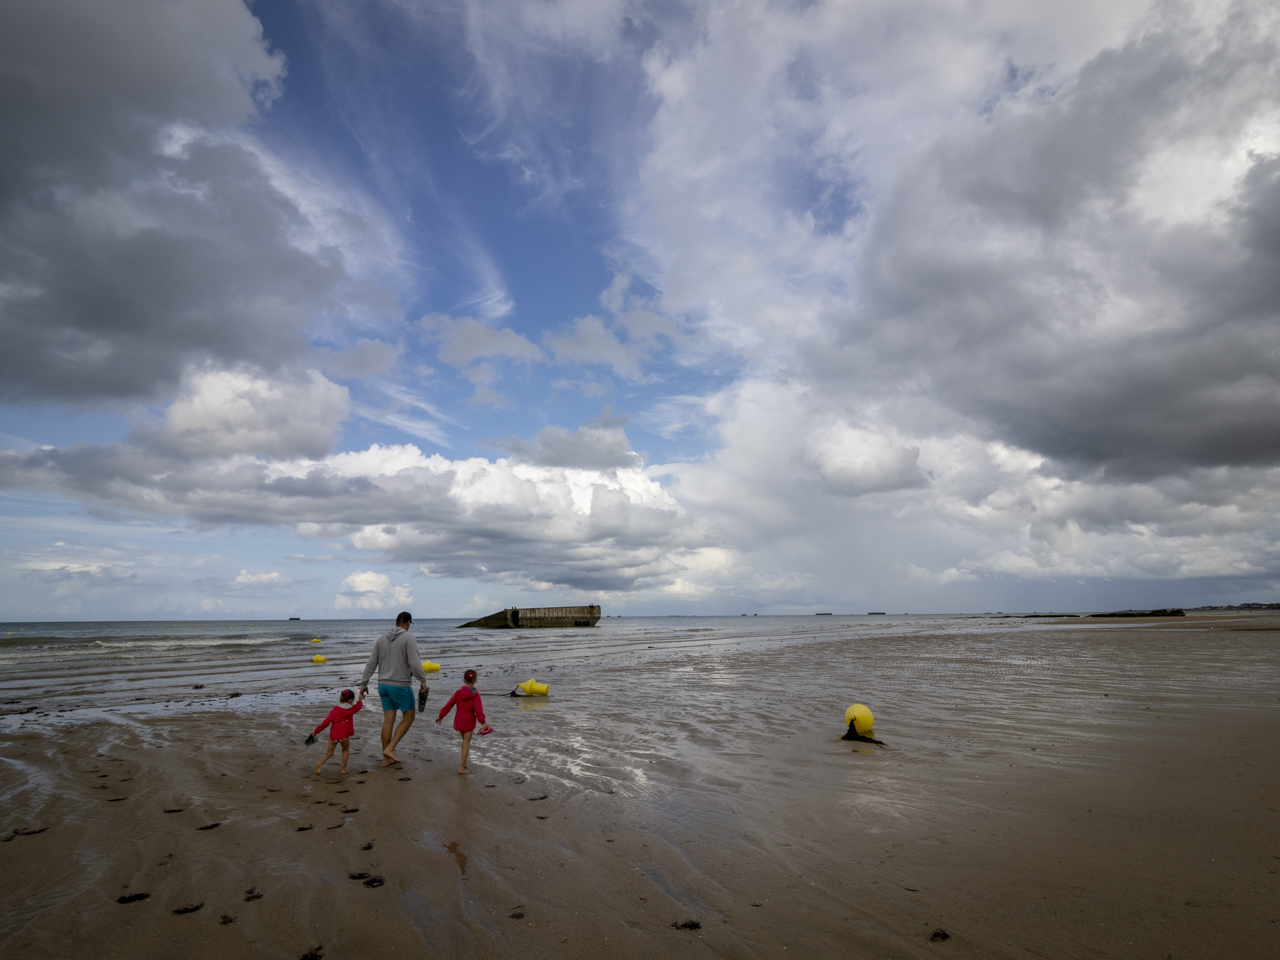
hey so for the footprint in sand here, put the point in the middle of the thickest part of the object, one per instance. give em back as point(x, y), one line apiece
point(309, 826)
point(251, 895)
point(210, 826)
point(368, 846)
point(352, 810)
point(357, 876)
point(226, 918)
point(176, 810)
point(189, 908)
point(132, 897)
point(374, 882)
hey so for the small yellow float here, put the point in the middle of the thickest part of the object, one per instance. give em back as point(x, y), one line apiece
point(428, 666)
point(533, 688)
point(319, 659)
point(315, 639)
point(861, 717)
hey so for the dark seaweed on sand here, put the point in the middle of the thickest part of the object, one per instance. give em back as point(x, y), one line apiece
point(374, 882)
point(132, 897)
point(189, 908)
point(939, 935)
point(687, 925)
point(315, 954)
point(251, 895)
point(309, 826)
point(852, 734)
point(210, 826)
point(357, 876)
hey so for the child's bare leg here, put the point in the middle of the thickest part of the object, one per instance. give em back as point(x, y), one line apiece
point(327, 754)
point(346, 751)
point(466, 749)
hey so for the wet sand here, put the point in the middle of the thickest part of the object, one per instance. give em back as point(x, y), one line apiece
point(1078, 790)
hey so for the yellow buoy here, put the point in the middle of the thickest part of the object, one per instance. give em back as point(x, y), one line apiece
point(533, 688)
point(319, 659)
point(315, 639)
point(861, 717)
point(428, 666)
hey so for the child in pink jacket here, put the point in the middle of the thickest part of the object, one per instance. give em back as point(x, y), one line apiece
point(341, 723)
point(469, 710)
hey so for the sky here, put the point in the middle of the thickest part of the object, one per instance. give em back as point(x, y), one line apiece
point(321, 309)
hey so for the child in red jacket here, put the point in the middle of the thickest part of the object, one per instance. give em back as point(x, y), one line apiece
point(342, 718)
point(469, 709)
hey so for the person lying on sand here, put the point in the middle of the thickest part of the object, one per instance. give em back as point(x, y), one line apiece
point(395, 657)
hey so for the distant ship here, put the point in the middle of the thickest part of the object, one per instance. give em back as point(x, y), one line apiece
point(525, 617)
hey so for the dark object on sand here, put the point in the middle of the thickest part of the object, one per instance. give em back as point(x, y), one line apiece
point(226, 918)
point(210, 826)
point(251, 895)
point(189, 908)
point(175, 810)
point(311, 738)
point(422, 698)
point(309, 826)
point(357, 876)
point(517, 915)
point(852, 734)
point(527, 617)
point(316, 954)
point(368, 846)
point(687, 925)
point(374, 882)
point(133, 897)
point(1164, 612)
point(939, 935)
point(295, 618)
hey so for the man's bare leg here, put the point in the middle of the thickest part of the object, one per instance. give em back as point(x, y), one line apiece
point(466, 751)
point(388, 724)
point(389, 750)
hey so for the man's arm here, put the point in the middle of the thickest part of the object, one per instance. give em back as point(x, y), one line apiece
point(368, 669)
point(415, 662)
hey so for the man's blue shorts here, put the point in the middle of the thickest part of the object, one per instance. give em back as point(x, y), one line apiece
point(396, 698)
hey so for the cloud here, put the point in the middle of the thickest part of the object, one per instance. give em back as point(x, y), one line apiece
point(466, 339)
point(142, 230)
point(221, 413)
point(260, 581)
point(368, 590)
point(504, 520)
point(594, 446)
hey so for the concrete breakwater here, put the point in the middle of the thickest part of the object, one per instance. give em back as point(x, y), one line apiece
point(516, 617)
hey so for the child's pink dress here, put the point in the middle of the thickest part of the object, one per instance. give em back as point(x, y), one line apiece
point(343, 719)
point(469, 708)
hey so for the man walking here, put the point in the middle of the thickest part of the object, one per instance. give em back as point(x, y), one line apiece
point(395, 657)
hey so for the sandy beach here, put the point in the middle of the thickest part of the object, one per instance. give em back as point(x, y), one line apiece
point(1063, 790)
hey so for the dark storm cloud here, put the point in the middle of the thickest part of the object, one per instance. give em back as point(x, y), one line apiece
point(1016, 279)
point(137, 233)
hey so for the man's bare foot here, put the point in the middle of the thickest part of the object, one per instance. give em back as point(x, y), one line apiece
point(388, 758)
point(462, 771)
point(343, 770)
point(318, 766)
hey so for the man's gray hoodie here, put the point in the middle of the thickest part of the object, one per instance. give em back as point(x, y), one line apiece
point(395, 657)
